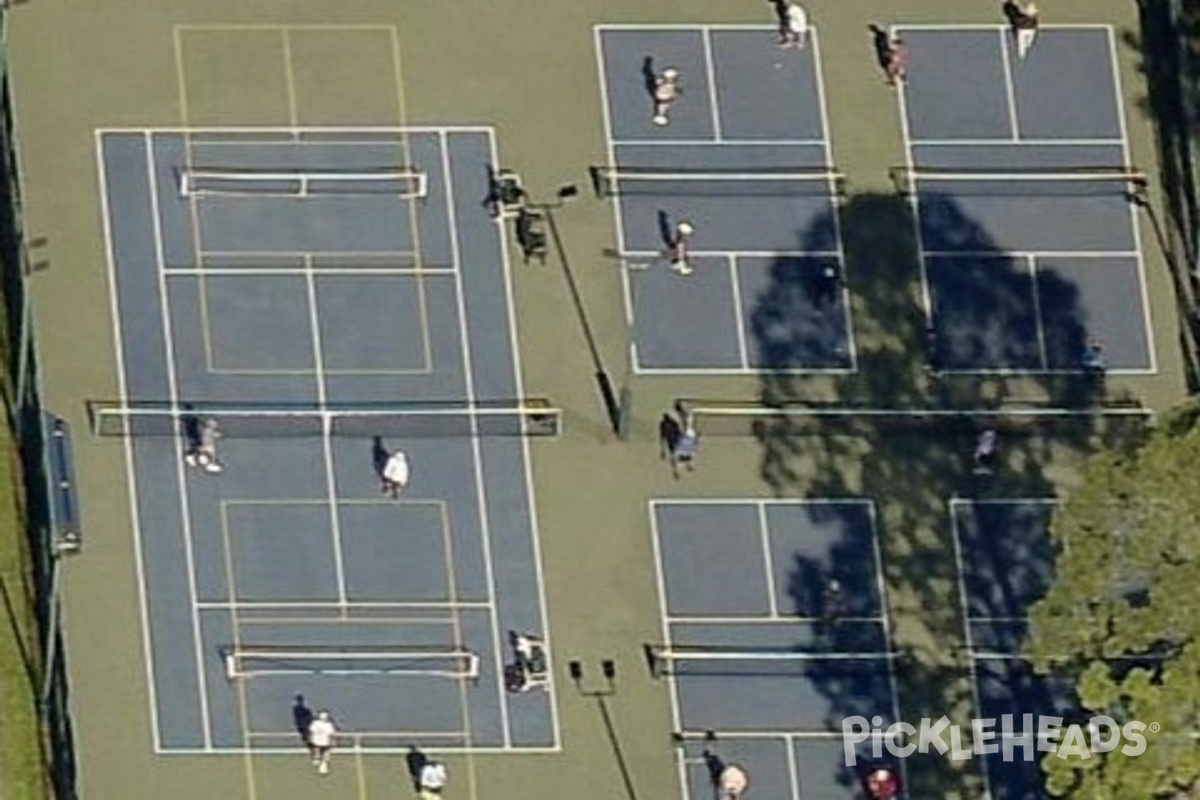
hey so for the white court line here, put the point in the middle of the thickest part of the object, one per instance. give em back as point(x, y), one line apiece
point(1009, 143)
point(760, 620)
point(757, 501)
point(476, 452)
point(914, 202)
point(965, 610)
point(248, 605)
point(724, 142)
point(1014, 254)
point(664, 626)
point(738, 253)
point(1018, 371)
point(335, 525)
point(287, 130)
point(392, 751)
point(1043, 355)
point(672, 26)
point(887, 623)
point(1065, 26)
point(266, 272)
point(530, 494)
point(834, 210)
point(1010, 90)
point(1147, 320)
point(606, 115)
point(135, 524)
point(640, 370)
point(739, 319)
point(711, 75)
point(180, 469)
point(764, 532)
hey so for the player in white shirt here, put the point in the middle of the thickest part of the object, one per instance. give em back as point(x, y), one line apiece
point(321, 735)
point(794, 29)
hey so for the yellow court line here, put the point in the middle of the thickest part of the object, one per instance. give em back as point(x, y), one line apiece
point(406, 144)
point(243, 701)
point(289, 78)
point(360, 769)
point(269, 26)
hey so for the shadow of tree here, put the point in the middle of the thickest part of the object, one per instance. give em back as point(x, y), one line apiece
point(901, 432)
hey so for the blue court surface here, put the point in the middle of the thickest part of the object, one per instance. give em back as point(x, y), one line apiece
point(1018, 170)
point(1006, 564)
point(756, 650)
point(745, 160)
point(299, 272)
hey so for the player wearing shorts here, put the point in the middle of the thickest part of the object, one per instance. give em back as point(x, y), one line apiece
point(794, 30)
point(667, 89)
point(321, 734)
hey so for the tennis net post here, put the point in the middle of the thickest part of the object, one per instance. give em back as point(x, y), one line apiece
point(401, 182)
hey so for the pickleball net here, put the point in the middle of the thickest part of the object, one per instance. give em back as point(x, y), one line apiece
point(1127, 181)
point(403, 182)
point(529, 417)
point(712, 417)
point(613, 180)
point(245, 661)
point(731, 661)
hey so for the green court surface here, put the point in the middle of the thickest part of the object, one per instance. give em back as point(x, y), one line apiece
point(528, 69)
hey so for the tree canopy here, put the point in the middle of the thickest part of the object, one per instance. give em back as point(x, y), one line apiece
point(1122, 617)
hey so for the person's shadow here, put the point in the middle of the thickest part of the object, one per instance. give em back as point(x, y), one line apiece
point(780, 7)
point(1012, 12)
point(302, 717)
point(415, 761)
point(715, 766)
point(649, 76)
point(883, 46)
point(665, 229)
point(379, 456)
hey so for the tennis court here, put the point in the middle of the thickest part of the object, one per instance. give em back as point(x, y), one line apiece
point(756, 649)
point(1025, 199)
point(746, 161)
point(327, 297)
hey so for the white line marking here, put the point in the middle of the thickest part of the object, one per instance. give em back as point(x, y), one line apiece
point(477, 457)
point(180, 474)
point(711, 75)
point(609, 145)
point(1039, 326)
point(739, 320)
point(738, 253)
point(1025, 141)
point(1016, 254)
point(331, 490)
point(724, 142)
point(1010, 91)
point(130, 471)
point(289, 131)
point(764, 532)
point(965, 611)
point(914, 203)
point(270, 272)
point(527, 458)
point(834, 211)
point(640, 370)
point(1147, 320)
point(1066, 26)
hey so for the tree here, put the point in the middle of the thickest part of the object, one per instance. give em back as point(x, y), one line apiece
point(1122, 617)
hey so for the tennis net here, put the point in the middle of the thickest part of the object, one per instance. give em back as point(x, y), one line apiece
point(1021, 181)
point(619, 179)
point(529, 417)
point(401, 182)
point(250, 661)
point(740, 660)
point(734, 418)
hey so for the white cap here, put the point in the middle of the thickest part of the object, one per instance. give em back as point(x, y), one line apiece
point(685, 228)
point(670, 73)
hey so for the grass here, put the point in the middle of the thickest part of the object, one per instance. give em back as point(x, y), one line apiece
point(22, 776)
